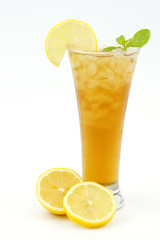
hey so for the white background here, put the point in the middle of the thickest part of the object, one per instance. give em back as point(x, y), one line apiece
point(39, 126)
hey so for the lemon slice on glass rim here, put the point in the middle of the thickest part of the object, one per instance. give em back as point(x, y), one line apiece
point(69, 33)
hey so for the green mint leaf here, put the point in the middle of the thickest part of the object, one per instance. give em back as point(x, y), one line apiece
point(139, 39)
point(108, 49)
point(121, 40)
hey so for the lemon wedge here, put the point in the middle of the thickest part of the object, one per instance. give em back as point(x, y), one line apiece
point(89, 204)
point(70, 33)
point(52, 186)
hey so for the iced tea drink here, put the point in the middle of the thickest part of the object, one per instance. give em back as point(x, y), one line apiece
point(102, 82)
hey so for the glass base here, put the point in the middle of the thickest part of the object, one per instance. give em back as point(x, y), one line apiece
point(114, 188)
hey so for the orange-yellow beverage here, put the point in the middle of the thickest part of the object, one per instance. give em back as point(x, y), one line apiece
point(102, 82)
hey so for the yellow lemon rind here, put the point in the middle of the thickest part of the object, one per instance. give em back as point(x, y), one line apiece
point(85, 222)
point(55, 210)
point(61, 23)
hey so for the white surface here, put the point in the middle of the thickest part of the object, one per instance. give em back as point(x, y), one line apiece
point(39, 126)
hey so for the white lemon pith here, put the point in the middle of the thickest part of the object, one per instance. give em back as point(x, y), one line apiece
point(52, 185)
point(70, 33)
point(89, 204)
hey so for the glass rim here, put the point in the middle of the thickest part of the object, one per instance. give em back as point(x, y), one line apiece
point(132, 50)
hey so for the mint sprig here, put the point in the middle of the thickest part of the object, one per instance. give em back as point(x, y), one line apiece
point(139, 39)
point(121, 40)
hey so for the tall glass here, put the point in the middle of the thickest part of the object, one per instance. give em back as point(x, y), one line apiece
point(102, 82)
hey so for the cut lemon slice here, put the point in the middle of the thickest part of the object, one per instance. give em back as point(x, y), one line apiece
point(70, 33)
point(89, 204)
point(52, 186)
